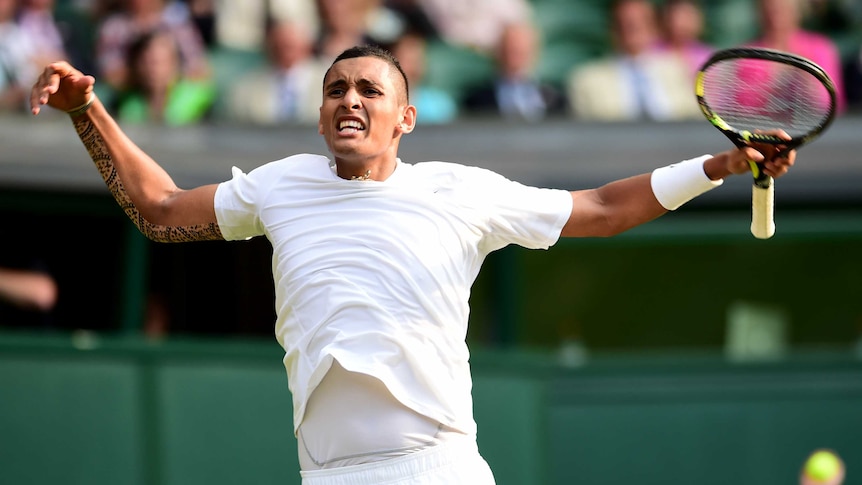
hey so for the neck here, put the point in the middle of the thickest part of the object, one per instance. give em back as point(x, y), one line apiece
point(378, 172)
point(779, 39)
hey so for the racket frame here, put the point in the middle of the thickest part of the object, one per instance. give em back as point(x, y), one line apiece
point(744, 137)
point(762, 224)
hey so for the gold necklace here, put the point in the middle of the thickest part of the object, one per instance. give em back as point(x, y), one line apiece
point(366, 176)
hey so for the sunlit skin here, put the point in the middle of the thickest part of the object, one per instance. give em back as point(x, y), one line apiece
point(370, 94)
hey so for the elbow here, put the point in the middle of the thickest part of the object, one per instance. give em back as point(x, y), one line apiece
point(610, 231)
point(151, 231)
point(600, 228)
point(148, 223)
point(604, 224)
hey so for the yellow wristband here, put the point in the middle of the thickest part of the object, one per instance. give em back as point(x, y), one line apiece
point(83, 108)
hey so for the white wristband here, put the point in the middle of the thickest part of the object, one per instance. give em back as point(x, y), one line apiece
point(677, 184)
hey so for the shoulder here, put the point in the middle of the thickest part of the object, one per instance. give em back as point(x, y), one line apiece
point(596, 65)
point(660, 58)
point(452, 173)
point(311, 68)
point(439, 167)
point(257, 83)
point(292, 166)
point(298, 163)
point(263, 178)
point(594, 71)
point(814, 41)
point(811, 37)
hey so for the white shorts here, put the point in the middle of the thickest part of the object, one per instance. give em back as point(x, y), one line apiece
point(455, 462)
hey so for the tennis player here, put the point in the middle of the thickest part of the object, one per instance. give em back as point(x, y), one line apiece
point(373, 261)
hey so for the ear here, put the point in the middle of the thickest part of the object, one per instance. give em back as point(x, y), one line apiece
point(408, 119)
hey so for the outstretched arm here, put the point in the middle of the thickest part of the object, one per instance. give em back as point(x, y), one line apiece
point(161, 210)
point(624, 204)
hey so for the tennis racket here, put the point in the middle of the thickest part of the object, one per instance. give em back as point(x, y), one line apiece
point(745, 91)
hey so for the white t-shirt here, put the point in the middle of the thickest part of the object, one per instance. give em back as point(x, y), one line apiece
point(378, 274)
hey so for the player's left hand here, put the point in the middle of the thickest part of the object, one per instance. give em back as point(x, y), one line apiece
point(778, 164)
point(776, 159)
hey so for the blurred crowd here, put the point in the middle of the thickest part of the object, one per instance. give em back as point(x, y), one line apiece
point(261, 62)
point(179, 62)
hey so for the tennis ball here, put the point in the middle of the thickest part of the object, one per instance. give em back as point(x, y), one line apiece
point(822, 466)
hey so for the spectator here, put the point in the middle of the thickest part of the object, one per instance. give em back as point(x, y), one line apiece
point(287, 88)
point(137, 17)
point(344, 24)
point(17, 70)
point(433, 105)
point(476, 24)
point(781, 28)
point(516, 93)
point(347, 23)
point(636, 81)
point(242, 24)
point(55, 33)
point(682, 28)
point(36, 18)
point(411, 16)
point(201, 14)
point(158, 91)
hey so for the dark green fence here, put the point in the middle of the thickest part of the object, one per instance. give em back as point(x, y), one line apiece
point(89, 409)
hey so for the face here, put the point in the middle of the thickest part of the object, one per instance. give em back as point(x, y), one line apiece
point(364, 111)
point(779, 16)
point(289, 45)
point(517, 51)
point(7, 10)
point(636, 26)
point(158, 66)
point(410, 51)
point(684, 22)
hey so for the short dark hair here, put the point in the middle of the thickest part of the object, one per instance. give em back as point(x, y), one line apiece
point(371, 50)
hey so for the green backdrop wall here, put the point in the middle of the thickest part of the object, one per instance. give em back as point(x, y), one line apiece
point(89, 409)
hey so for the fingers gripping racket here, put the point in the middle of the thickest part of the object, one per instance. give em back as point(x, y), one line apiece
point(745, 92)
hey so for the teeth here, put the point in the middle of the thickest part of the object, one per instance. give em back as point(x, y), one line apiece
point(350, 124)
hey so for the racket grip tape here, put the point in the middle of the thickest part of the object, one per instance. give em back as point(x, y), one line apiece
point(762, 204)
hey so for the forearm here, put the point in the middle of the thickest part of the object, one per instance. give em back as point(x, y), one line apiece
point(623, 204)
point(28, 289)
point(139, 185)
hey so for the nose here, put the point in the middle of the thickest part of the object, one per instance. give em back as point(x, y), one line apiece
point(351, 99)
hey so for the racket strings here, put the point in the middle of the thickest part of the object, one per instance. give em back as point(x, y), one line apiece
point(753, 94)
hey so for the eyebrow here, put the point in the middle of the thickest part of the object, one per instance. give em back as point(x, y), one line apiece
point(362, 81)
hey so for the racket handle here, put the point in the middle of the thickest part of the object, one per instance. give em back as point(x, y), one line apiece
point(762, 202)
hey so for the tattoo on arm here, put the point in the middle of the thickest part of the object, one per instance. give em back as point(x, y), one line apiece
point(98, 151)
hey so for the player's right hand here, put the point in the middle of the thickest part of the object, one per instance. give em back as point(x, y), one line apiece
point(62, 87)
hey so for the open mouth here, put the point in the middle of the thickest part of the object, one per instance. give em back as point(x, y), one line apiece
point(350, 126)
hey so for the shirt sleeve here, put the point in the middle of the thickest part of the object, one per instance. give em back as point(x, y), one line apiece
point(531, 217)
point(237, 205)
